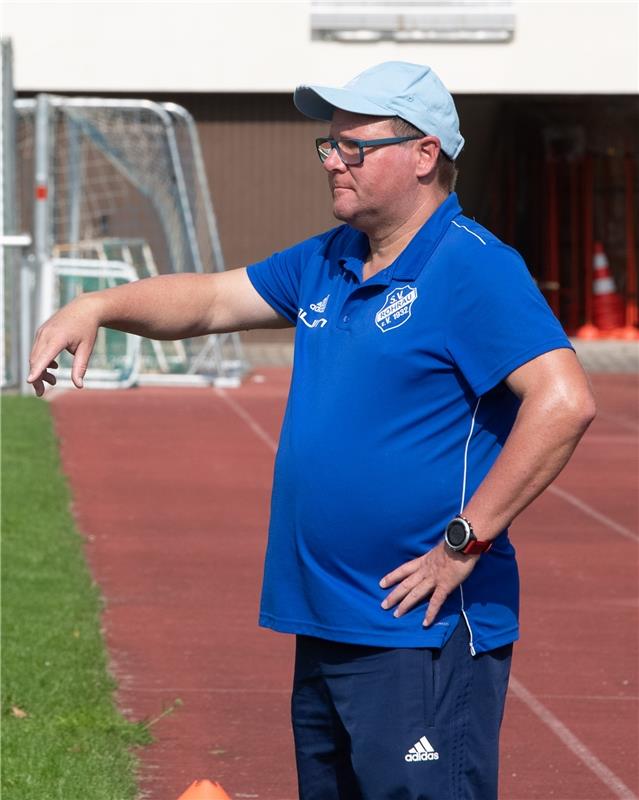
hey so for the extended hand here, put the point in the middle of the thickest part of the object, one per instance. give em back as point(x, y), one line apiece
point(73, 328)
point(437, 573)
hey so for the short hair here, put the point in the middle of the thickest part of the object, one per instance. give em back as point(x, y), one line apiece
point(446, 169)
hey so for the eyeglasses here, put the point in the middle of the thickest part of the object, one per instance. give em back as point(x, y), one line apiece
point(351, 151)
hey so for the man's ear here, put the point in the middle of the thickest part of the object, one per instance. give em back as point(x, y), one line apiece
point(429, 149)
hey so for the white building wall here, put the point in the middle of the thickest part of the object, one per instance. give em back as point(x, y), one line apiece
point(560, 46)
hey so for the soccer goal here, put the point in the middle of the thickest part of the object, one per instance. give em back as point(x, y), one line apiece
point(106, 182)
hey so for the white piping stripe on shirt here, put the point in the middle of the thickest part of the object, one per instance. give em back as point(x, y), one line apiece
point(461, 508)
point(470, 433)
point(471, 644)
point(472, 233)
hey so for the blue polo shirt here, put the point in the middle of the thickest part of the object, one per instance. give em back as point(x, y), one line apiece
point(397, 410)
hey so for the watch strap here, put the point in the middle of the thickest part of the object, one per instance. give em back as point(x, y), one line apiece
point(475, 547)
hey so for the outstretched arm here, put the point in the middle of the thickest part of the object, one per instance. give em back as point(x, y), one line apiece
point(166, 307)
point(556, 408)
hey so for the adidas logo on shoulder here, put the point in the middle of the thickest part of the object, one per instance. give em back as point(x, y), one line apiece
point(422, 750)
point(320, 307)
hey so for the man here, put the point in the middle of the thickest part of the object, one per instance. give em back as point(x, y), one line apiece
point(434, 396)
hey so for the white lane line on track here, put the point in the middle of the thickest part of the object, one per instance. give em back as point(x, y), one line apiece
point(605, 520)
point(568, 738)
point(257, 429)
point(624, 422)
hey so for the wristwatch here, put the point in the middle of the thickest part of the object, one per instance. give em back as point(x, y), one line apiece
point(461, 538)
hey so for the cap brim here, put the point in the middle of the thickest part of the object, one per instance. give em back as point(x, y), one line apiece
point(319, 102)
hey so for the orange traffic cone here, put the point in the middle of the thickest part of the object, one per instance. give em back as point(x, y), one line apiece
point(607, 306)
point(204, 790)
point(629, 333)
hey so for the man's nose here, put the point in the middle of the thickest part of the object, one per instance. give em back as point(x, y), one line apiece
point(334, 163)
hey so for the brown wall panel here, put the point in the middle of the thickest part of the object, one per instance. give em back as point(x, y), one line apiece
point(267, 184)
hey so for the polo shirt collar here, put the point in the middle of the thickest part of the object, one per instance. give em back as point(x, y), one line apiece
point(412, 259)
point(353, 252)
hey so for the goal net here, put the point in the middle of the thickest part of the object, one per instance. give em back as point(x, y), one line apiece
point(120, 181)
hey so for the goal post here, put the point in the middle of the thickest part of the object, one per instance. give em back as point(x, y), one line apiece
point(12, 239)
point(108, 180)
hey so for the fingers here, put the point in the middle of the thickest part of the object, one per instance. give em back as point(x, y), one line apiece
point(78, 372)
point(38, 377)
point(39, 363)
point(45, 350)
point(413, 586)
point(435, 604)
point(410, 591)
point(39, 366)
point(49, 378)
point(81, 361)
point(72, 328)
point(400, 573)
point(413, 597)
point(435, 574)
point(45, 377)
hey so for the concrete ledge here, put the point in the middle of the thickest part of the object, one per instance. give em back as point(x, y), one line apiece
point(268, 354)
point(608, 355)
point(597, 356)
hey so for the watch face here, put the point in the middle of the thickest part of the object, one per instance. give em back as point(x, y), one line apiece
point(456, 534)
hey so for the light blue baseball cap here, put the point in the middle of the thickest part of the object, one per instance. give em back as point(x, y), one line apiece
point(391, 89)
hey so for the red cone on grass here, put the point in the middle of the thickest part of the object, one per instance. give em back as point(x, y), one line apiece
point(204, 790)
point(608, 312)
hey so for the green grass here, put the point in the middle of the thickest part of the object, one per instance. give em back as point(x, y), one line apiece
point(73, 744)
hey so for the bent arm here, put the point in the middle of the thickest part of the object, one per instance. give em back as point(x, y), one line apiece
point(556, 408)
point(165, 307)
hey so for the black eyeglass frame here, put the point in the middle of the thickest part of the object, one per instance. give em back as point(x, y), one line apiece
point(361, 144)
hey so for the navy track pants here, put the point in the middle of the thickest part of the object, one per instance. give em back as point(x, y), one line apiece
point(373, 723)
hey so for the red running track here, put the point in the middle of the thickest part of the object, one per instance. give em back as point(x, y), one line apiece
point(171, 489)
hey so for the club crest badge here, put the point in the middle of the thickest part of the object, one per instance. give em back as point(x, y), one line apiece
point(396, 309)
